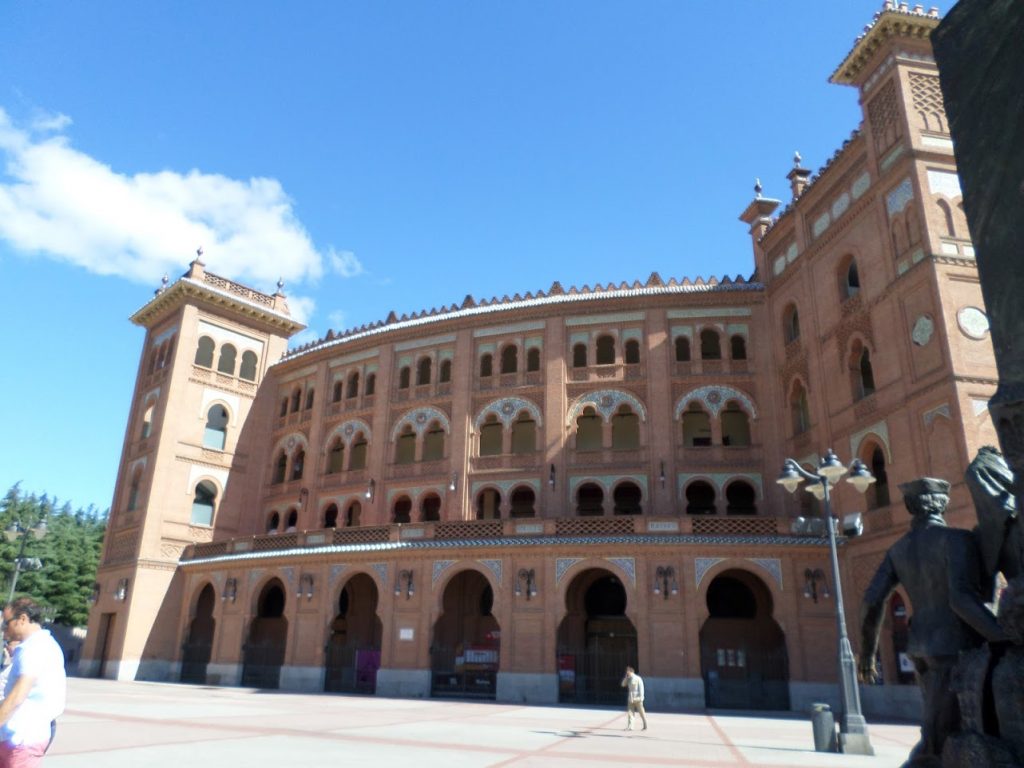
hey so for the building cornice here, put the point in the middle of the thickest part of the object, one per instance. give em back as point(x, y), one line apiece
point(895, 20)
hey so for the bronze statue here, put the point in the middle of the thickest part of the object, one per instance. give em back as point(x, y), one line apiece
point(940, 567)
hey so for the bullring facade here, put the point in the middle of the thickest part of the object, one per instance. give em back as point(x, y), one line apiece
point(516, 498)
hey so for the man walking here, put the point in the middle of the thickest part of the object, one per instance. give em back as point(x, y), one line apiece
point(36, 688)
point(634, 685)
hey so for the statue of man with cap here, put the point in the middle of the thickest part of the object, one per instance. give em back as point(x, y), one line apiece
point(940, 568)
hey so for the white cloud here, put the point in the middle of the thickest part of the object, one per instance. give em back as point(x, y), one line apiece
point(303, 337)
point(63, 204)
point(336, 320)
point(345, 263)
point(301, 307)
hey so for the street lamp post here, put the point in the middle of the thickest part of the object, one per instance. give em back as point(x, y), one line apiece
point(22, 563)
point(853, 728)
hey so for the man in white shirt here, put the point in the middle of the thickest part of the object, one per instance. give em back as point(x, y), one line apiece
point(634, 685)
point(36, 689)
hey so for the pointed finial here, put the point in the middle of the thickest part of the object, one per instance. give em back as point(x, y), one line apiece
point(199, 252)
point(797, 159)
point(757, 188)
point(280, 284)
point(165, 280)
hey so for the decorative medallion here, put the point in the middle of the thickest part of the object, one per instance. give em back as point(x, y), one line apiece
point(973, 322)
point(606, 402)
point(704, 564)
point(506, 410)
point(439, 567)
point(563, 564)
point(713, 398)
point(923, 329)
point(419, 419)
point(628, 564)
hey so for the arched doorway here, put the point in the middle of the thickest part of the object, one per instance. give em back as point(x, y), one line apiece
point(596, 641)
point(263, 653)
point(743, 655)
point(196, 651)
point(466, 646)
point(353, 648)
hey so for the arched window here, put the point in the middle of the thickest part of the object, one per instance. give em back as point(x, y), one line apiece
point(357, 452)
point(336, 456)
point(799, 408)
point(405, 446)
point(226, 362)
point(605, 350)
point(696, 427)
point(430, 508)
point(445, 372)
point(280, 467)
point(152, 360)
point(248, 369)
point(293, 521)
point(735, 425)
point(861, 372)
point(147, 422)
point(168, 350)
point(486, 365)
point(352, 389)
point(682, 349)
point(309, 397)
point(590, 500)
point(488, 505)
point(740, 498)
point(353, 513)
point(402, 509)
point(627, 498)
point(284, 406)
point(133, 490)
point(296, 399)
point(433, 442)
point(523, 502)
point(947, 217)
point(371, 384)
point(579, 356)
point(337, 391)
point(490, 436)
point(273, 522)
point(216, 433)
point(849, 279)
point(700, 498)
point(710, 345)
point(524, 434)
point(898, 238)
point(202, 503)
point(532, 360)
point(878, 491)
point(204, 352)
point(403, 377)
point(331, 516)
point(632, 352)
point(423, 371)
point(510, 359)
point(297, 463)
point(588, 430)
point(790, 323)
point(625, 430)
point(738, 348)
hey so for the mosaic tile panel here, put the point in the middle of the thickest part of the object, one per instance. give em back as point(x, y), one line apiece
point(686, 314)
point(494, 566)
point(898, 198)
point(704, 564)
point(335, 572)
point(350, 429)
point(290, 442)
point(419, 419)
point(506, 485)
point(607, 482)
point(563, 564)
point(611, 318)
point(881, 430)
point(627, 564)
point(771, 564)
point(934, 413)
point(440, 566)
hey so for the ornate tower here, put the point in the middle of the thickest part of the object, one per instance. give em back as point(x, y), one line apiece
point(209, 342)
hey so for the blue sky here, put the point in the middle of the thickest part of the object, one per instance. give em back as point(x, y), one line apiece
point(377, 155)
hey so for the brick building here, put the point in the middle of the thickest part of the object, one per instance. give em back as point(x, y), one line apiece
point(515, 498)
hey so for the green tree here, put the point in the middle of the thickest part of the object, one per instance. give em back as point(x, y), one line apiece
point(69, 552)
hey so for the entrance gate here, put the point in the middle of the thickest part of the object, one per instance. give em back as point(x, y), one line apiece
point(195, 654)
point(466, 647)
point(353, 648)
point(263, 652)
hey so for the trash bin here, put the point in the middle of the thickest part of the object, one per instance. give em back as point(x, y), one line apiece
point(823, 723)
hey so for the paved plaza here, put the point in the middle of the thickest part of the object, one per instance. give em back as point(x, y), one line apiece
point(134, 725)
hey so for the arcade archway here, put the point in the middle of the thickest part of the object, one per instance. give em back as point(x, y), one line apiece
point(742, 648)
point(353, 647)
point(268, 637)
point(196, 651)
point(596, 640)
point(466, 646)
